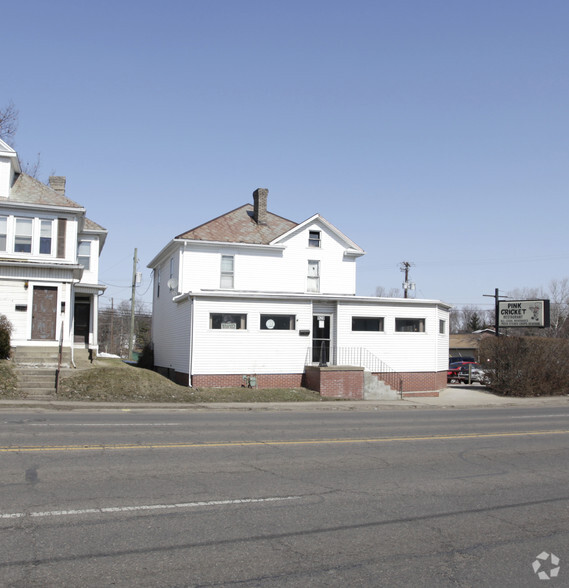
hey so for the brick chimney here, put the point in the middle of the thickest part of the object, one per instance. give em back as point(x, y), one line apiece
point(57, 183)
point(260, 205)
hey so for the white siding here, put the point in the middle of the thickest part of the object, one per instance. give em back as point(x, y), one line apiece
point(5, 176)
point(170, 327)
point(251, 350)
point(91, 276)
point(272, 270)
point(405, 352)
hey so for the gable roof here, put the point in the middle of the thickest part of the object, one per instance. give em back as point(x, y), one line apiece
point(356, 249)
point(239, 226)
point(28, 190)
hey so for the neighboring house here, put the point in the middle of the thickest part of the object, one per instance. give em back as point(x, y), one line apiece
point(467, 344)
point(253, 297)
point(49, 261)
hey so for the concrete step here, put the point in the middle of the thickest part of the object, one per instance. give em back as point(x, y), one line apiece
point(36, 392)
point(376, 389)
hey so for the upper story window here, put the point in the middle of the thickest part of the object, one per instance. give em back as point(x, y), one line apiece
point(227, 273)
point(442, 327)
point(26, 235)
point(314, 239)
point(171, 267)
point(3, 232)
point(46, 237)
point(84, 254)
point(23, 235)
point(313, 276)
point(157, 275)
point(364, 323)
point(410, 325)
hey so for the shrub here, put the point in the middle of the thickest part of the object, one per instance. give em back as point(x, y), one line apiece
point(146, 358)
point(526, 366)
point(5, 333)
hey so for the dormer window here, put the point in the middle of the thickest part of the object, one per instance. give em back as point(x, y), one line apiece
point(314, 238)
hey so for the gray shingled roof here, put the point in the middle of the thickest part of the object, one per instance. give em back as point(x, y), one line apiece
point(238, 226)
point(31, 191)
point(92, 225)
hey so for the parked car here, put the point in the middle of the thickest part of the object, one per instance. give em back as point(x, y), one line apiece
point(453, 369)
point(472, 372)
point(460, 359)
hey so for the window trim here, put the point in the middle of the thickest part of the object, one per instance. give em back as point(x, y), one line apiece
point(4, 234)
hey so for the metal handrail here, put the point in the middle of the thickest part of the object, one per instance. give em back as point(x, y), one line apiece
point(362, 357)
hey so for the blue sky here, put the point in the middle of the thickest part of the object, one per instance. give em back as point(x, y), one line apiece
point(435, 132)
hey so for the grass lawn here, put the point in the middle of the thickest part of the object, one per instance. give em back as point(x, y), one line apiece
point(111, 380)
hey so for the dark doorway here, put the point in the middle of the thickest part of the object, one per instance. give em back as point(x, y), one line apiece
point(82, 321)
point(321, 339)
point(44, 313)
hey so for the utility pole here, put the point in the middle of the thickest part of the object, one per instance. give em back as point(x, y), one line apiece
point(112, 319)
point(405, 265)
point(496, 297)
point(132, 301)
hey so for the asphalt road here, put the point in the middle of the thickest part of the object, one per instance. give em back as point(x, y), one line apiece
point(379, 498)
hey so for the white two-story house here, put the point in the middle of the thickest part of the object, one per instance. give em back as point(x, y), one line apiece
point(251, 296)
point(49, 261)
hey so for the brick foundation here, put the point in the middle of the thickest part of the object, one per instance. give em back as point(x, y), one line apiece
point(336, 381)
point(332, 381)
point(236, 380)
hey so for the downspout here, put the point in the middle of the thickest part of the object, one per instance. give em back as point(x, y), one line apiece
point(191, 299)
point(72, 321)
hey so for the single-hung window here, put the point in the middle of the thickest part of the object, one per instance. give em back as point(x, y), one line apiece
point(3, 232)
point(84, 254)
point(363, 323)
point(313, 276)
point(410, 325)
point(227, 272)
point(46, 236)
point(278, 322)
point(23, 236)
point(314, 238)
point(442, 327)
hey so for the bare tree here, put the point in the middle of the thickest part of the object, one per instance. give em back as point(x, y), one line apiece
point(8, 123)
point(382, 292)
point(558, 307)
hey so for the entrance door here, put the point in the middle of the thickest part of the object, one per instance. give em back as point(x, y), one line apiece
point(82, 321)
point(44, 313)
point(321, 339)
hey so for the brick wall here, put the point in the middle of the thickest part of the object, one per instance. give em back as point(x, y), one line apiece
point(336, 382)
point(236, 380)
point(330, 381)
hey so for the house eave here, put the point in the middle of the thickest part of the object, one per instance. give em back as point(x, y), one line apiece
point(175, 243)
point(7, 203)
point(304, 296)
